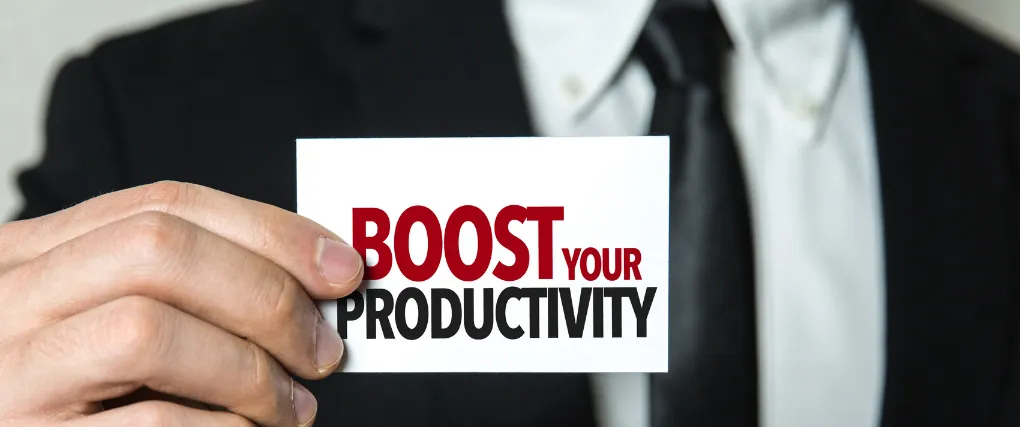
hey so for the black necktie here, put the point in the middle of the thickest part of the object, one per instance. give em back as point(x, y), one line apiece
point(713, 375)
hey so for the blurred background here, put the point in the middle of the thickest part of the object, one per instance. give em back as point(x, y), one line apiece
point(38, 35)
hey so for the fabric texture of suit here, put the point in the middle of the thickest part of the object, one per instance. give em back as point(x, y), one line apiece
point(219, 98)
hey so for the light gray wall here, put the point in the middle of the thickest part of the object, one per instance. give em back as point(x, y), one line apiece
point(36, 35)
point(998, 18)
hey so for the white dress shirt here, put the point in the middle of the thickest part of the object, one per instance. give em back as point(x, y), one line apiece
point(799, 104)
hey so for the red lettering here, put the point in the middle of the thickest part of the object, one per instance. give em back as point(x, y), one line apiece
point(610, 272)
point(610, 263)
point(362, 242)
point(571, 259)
point(590, 274)
point(400, 252)
point(475, 270)
point(401, 248)
point(545, 216)
point(512, 243)
point(632, 257)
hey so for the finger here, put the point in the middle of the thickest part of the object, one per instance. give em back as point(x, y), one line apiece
point(146, 394)
point(159, 414)
point(168, 259)
point(318, 258)
point(137, 342)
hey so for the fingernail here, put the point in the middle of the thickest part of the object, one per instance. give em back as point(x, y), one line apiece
point(339, 263)
point(329, 347)
point(305, 405)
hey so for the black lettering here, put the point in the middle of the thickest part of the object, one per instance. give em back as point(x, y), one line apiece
point(423, 313)
point(554, 309)
point(617, 295)
point(473, 331)
point(641, 309)
point(534, 296)
point(438, 295)
point(505, 329)
point(575, 324)
point(381, 314)
point(378, 305)
point(346, 314)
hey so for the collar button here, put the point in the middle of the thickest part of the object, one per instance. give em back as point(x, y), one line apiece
point(573, 87)
point(805, 108)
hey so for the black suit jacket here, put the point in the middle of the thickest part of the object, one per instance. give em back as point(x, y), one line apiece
point(219, 99)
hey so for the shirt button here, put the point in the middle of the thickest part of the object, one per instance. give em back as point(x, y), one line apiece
point(805, 108)
point(574, 87)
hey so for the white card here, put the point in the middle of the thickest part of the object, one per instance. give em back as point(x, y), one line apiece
point(527, 210)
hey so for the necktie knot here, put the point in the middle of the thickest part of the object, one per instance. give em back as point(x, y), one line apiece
point(686, 39)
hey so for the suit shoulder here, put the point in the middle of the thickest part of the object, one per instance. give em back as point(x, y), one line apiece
point(213, 43)
point(210, 29)
point(943, 34)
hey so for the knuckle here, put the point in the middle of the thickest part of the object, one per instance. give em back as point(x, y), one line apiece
point(152, 414)
point(277, 295)
point(262, 380)
point(268, 394)
point(133, 329)
point(155, 237)
point(265, 235)
point(167, 196)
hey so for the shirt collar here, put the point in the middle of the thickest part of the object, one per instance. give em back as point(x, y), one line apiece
point(579, 46)
point(800, 46)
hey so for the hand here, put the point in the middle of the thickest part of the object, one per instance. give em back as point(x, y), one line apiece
point(172, 288)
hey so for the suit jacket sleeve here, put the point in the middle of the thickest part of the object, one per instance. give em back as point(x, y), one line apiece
point(80, 159)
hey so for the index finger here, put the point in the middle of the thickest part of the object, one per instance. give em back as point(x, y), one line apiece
point(326, 266)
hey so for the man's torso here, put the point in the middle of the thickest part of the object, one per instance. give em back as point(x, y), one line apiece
point(219, 99)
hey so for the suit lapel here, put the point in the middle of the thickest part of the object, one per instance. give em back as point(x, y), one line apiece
point(950, 217)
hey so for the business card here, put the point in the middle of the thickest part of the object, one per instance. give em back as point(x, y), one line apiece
point(497, 254)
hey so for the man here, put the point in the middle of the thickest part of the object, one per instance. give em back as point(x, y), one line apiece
point(878, 141)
